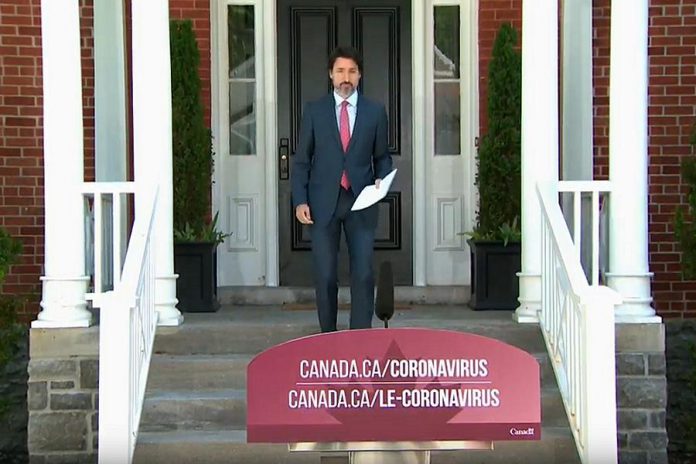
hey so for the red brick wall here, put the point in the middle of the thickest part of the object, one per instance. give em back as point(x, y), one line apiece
point(492, 14)
point(21, 152)
point(600, 83)
point(87, 55)
point(21, 125)
point(672, 100)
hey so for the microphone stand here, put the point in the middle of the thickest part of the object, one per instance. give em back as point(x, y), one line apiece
point(384, 302)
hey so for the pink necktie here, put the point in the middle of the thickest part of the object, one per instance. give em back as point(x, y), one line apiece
point(344, 129)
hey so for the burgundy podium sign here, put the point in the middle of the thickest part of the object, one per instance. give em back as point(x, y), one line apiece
point(393, 385)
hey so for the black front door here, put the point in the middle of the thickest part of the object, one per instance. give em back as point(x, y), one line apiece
point(308, 30)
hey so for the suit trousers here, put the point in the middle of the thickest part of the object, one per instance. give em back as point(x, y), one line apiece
point(360, 238)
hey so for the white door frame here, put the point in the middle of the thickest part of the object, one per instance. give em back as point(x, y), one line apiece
point(420, 143)
point(421, 107)
point(270, 87)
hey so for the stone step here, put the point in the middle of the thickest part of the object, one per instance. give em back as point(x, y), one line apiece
point(228, 371)
point(224, 409)
point(195, 406)
point(217, 447)
point(212, 447)
point(435, 295)
point(245, 330)
point(198, 410)
point(198, 372)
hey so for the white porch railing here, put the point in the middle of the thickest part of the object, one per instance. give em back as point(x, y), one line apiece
point(106, 208)
point(595, 191)
point(128, 320)
point(577, 322)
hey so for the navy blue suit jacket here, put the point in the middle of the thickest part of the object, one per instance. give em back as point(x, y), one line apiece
point(320, 160)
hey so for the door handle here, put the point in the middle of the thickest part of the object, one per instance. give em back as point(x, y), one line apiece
point(284, 158)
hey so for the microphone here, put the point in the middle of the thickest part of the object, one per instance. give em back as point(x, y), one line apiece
point(384, 302)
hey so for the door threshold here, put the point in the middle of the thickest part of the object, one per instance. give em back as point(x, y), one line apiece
point(435, 295)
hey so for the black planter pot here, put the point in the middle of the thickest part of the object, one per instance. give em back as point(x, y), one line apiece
point(196, 287)
point(494, 268)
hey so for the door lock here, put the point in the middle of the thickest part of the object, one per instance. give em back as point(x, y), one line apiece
point(284, 158)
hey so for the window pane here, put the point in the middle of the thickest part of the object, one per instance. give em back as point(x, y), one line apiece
point(240, 23)
point(242, 118)
point(447, 124)
point(446, 47)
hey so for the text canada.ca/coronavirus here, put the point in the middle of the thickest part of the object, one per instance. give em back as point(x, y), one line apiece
point(349, 398)
point(326, 369)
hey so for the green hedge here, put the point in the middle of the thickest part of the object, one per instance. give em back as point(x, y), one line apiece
point(684, 224)
point(192, 148)
point(10, 330)
point(498, 157)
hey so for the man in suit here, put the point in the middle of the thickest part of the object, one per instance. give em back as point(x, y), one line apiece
point(342, 148)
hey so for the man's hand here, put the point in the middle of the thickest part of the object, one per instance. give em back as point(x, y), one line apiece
point(377, 182)
point(302, 214)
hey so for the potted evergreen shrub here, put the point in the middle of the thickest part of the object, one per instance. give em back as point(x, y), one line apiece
point(685, 219)
point(495, 241)
point(681, 421)
point(195, 234)
point(13, 359)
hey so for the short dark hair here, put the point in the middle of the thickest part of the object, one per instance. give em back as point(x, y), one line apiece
point(345, 52)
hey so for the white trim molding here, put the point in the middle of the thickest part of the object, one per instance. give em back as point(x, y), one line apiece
point(420, 142)
point(270, 102)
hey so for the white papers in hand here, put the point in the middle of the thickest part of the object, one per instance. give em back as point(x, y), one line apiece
point(371, 194)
